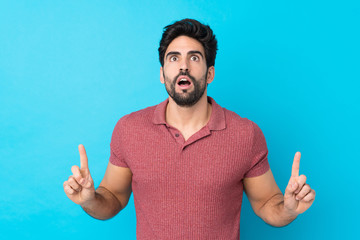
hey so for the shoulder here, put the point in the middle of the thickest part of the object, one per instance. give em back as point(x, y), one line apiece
point(242, 128)
point(236, 122)
point(135, 120)
point(142, 115)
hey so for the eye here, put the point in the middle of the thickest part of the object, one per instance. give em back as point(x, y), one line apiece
point(173, 58)
point(194, 58)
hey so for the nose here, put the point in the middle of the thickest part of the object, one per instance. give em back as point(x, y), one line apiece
point(184, 65)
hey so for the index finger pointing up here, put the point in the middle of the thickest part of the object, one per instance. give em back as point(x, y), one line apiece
point(83, 157)
point(296, 165)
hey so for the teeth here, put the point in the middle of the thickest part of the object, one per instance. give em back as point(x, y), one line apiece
point(183, 80)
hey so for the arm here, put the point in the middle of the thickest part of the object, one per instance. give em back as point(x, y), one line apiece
point(109, 198)
point(271, 205)
point(112, 195)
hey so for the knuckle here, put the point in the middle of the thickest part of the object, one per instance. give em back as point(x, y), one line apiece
point(78, 179)
point(312, 193)
point(74, 168)
point(303, 178)
point(90, 180)
point(303, 194)
point(73, 182)
point(69, 190)
point(308, 198)
point(88, 184)
point(300, 198)
point(300, 195)
point(306, 189)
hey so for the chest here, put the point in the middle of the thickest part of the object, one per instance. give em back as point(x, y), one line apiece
point(206, 166)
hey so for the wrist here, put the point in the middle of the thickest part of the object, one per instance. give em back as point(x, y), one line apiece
point(89, 201)
point(291, 214)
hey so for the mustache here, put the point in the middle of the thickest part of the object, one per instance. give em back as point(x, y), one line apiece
point(184, 73)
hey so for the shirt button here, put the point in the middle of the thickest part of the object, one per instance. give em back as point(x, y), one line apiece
point(177, 135)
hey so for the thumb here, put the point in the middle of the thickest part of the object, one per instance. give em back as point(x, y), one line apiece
point(291, 187)
point(88, 182)
point(289, 200)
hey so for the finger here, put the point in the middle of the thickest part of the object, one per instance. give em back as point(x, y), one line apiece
point(289, 200)
point(291, 188)
point(310, 196)
point(74, 184)
point(88, 182)
point(304, 191)
point(296, 165)
point(77, 174)
point(83, 157)
point(301, 180)
point(68, 189)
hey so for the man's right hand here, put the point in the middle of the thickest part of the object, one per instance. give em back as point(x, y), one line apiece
point(80, 186)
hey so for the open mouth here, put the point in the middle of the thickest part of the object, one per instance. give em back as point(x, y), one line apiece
point(183, 82)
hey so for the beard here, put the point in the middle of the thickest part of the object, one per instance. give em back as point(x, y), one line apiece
point(186, 98)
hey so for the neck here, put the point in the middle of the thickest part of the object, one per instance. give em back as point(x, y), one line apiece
point(189, 118)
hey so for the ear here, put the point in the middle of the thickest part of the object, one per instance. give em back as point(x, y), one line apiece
point(211, 74)
point(162, 80)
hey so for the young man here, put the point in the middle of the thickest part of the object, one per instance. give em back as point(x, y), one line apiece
point(188, 160)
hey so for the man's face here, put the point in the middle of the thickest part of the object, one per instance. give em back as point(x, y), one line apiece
point(185, 73)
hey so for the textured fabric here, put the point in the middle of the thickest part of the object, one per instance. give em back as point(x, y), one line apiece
point(188, 189)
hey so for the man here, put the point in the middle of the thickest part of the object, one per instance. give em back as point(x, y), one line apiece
point(188, 160)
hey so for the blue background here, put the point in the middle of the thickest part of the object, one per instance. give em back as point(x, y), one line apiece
point(70, 69)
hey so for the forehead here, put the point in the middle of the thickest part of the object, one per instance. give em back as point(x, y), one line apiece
point(184, 44)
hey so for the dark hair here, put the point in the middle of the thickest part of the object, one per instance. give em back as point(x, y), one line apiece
point(194, 29)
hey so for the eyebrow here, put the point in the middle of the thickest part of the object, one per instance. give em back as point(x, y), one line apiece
point(178, 53)
point(172, 53)
point(196, 52)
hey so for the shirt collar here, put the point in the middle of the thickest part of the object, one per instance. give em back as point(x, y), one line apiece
point(216, 122)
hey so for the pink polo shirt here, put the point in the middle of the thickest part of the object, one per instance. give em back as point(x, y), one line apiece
point(188, 189)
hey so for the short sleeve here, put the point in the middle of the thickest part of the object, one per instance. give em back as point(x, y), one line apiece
point(117, 152)
point(258, 154)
